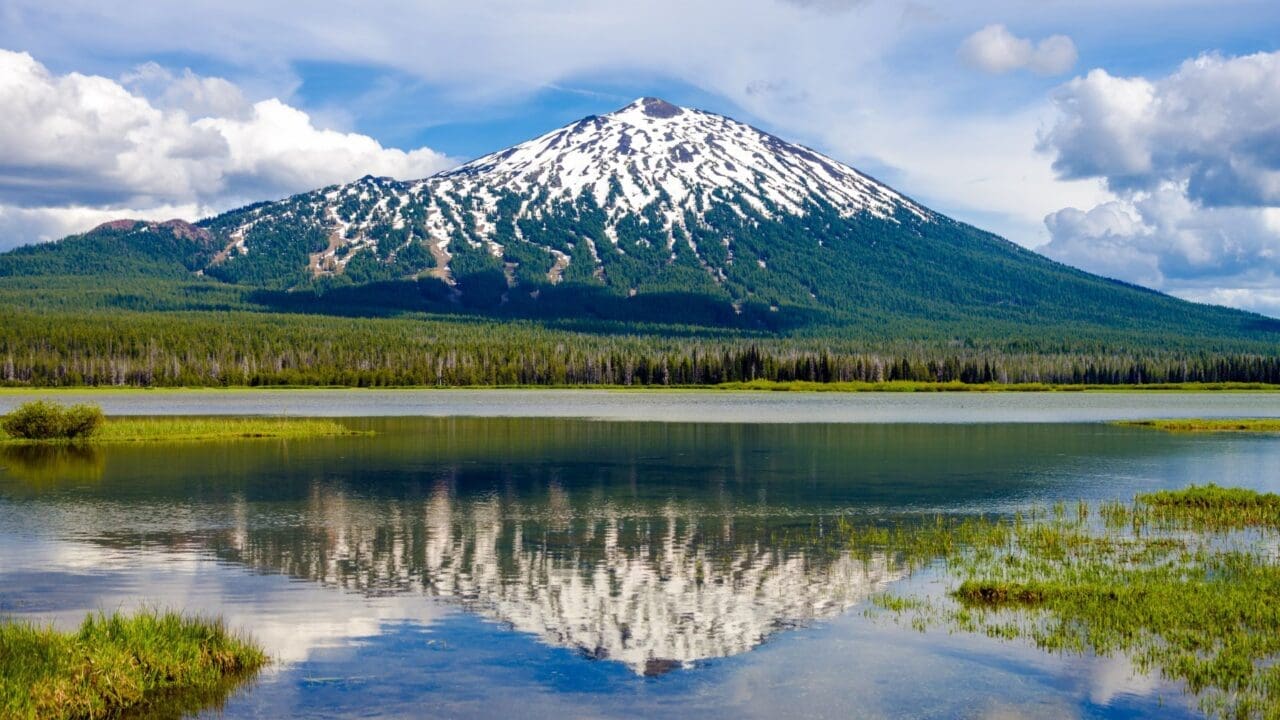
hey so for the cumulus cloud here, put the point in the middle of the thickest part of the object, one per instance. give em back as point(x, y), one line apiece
point(1194, 160)
point(195, 95)
point(875, 84)
point(78, 148)
point(1214, 123)
point(1165, 239)
point(994, 49)
point(24, 225)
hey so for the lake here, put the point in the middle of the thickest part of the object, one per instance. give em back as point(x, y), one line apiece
point(595, 554)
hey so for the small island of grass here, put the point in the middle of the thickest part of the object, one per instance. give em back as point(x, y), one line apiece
point(114, 663)
point(1208, 425)
point(42, 422)
point(187, 429)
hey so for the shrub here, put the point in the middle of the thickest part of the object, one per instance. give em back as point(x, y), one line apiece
point(42, 420)
point(82, 421)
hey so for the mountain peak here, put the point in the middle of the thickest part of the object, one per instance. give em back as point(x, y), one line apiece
point(653, 155)
point(654, 108)
point(648, 180)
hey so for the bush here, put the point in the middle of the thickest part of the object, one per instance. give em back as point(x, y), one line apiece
point(81, 421)
point(41, 420)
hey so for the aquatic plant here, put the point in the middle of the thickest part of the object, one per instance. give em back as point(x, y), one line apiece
point(1260, 425)
point(114, 663)
point(1175, 581)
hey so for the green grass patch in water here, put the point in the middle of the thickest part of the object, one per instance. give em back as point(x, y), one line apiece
point(191, 429)
point(114, 663)
point(1210, 425)
point(1183, 583)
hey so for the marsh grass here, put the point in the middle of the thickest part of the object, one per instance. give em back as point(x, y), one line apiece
point(1184, 583)
point(1211, 425)
point(1208, 508)
point(189, 429)
point(114, 663)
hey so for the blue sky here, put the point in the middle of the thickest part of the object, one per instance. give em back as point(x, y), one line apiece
point(1134, 138)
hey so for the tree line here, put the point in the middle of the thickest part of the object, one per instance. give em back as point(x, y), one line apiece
point(259, 349)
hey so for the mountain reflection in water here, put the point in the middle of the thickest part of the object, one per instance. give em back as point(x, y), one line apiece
point(652, 590)
point(650, 545)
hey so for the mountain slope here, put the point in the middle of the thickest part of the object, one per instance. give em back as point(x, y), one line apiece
point(174, 248)
point(661, 213)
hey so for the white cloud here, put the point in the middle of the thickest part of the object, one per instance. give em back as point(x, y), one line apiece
point(277, 146)
point(825, 72)
point(78, 149)
point(197, 96)
point(874, 83)
point(1106, 240)
point(994, 49)
point(1163, 239)
point(21, 225)
point(1213, 124)
point(1194, 159)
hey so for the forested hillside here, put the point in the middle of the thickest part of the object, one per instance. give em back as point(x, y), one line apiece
point(147, 332)
point(655, 245)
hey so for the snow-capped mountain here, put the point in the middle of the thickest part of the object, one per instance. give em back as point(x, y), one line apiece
point(653, 212)
point(646, 185)
point(654, 153)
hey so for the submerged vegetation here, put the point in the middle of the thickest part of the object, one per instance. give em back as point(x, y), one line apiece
point(1182, 583)
point(1262, 425)
point(114, 663)
point(43, 422)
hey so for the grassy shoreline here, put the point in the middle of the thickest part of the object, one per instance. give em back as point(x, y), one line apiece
point(748, 387)
point(1207, 425)
point(115, 663)
point(200, 429)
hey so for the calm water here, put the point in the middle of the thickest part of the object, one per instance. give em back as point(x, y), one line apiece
point(688, 406)
point(569, 567)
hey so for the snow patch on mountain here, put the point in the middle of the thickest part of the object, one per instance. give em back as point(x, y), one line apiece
point(648, 160)
point(651, 151)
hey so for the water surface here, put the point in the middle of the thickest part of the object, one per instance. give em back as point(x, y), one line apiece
point(569, 567)
point(684, 405)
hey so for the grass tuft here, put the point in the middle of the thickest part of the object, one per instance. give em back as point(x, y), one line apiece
point(116, 662)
